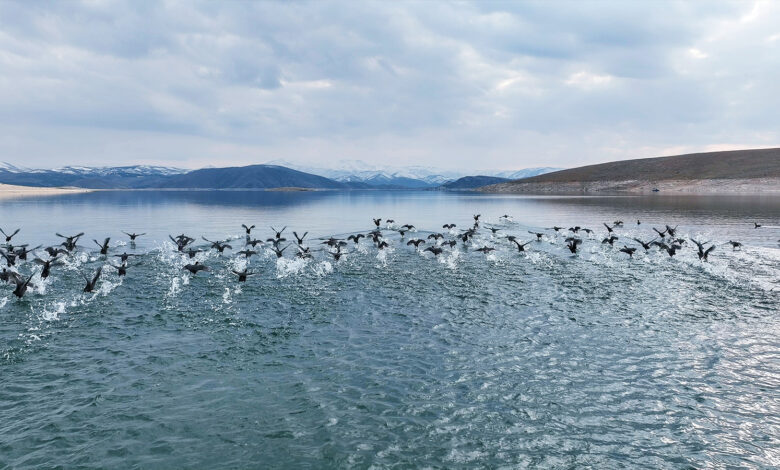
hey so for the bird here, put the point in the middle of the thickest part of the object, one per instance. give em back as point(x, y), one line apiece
point(671, 230)
point(618, 223)
point(587, 230)
point(494, 230)
point(611, 240)
point(486, 249)
point(103, 246)
point(10, 257)
point(660, 233)
point(334, 242)
point(435, 236)
point(476, 217)
point(628, 251)
point(389, 221)
point(70, 242)
point(54, 251)
point(435, 250)
point(448, 226)
point(121, 269)
point(242, 275)
point(21, 286)
point(218, 245)
point(304, 253)
point(416, 242)
point(703, 253)
point(280, 252)
point(638, 222)
point(609, 229)
point(336, 254)
point(195, 267)
point(133, 236)
point(572, 243)
point(248, 229)
point(672, 250)
point(646, 245)
point(123, 257)
point(22, 251)
point(90, 286)
point(556, 228)
point(505, 216)
point(9, 237)
point(377, 222)
point(756, 225)
point(408, 227)
point(300, 239)
point(521, 246)
point(356, 238)
point(181, 241)
point(382, 245)
point(279, 234)
point(247, 253)
point(577, 228)
point(191, 252)
point(735, 245)
point(450, 243)
point(254, 242)
point(46, 270)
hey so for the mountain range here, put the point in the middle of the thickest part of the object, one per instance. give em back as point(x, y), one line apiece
point(348, 175)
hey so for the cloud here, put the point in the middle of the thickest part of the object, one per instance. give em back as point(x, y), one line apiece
point(466, 85)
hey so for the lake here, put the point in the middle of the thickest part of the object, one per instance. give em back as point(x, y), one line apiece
point(394, 357)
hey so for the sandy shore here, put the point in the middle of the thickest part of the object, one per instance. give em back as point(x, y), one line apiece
point(9, 190)
point(705, 186)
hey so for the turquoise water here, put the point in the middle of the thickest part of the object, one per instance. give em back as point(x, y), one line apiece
point(394, 357)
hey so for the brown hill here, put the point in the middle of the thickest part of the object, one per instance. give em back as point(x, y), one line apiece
point(737, 170)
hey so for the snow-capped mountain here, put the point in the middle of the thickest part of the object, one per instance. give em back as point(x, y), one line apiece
point(358, 171)
point(132, 176)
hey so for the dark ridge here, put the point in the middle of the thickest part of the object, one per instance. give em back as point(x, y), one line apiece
point(471, 182)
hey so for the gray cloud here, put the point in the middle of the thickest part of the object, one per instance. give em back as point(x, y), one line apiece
point(465, 85)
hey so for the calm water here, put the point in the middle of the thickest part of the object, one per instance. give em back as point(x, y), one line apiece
point(394, 358)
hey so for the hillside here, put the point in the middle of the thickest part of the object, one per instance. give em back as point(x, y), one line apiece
point(249, 177)
point(471, 182)
point(738, 170)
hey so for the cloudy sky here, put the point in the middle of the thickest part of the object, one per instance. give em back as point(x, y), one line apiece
point(460, 85)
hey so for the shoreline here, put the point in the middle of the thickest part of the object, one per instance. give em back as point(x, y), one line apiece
point(761, 186)
point(10, 190)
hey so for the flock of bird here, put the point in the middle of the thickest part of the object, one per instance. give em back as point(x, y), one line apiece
point(665, 239)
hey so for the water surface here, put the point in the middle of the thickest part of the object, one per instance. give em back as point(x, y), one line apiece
point(394, 357)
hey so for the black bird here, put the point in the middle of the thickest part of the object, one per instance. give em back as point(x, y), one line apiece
point(70, 242)
point(638, 222)
point(356, 238)
point(575, 229)
point(402, 233)
point(587, 230)
point(556, 228)
point(334, 242)
point(628, 251)
point(248, 229)
point(377, 222)
point(121, 269)
point(448, 226)
point(10, 257)
point(672, 250)
point(336, 254)
point(451, 243)
point(218, 245)
point(416, 242)
point(123, 257)
point(647, 245)
point(195, 267)
point(486, 249)
point(521, 246)
point(103, 246)
point(660, 233)
point(505, 216)
point(242, 275)
point(254, 242)
point(618, 223)
point(22, 251)
point(476, 217)
point(54, 251)
point(46, 270)
point(435, 236)
point(389, 221)
point(133, 236)
point(303, 252)
point(511, 238)
point(280, 252)
point(756, 225)
point(435, 250)
point(494, 230)
point(671, 230)
point(9, 237)
point(572, 243)
point(735, 245)
point(300, 239)
point(181, 241)
point(191, 252)
point(610, 240)
point(382, 245)
point(247, 253)
point(408, 227)
point(91, 283)
point(279, 233)
point(609, 229)
point(703, 254)
point(21, 286)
